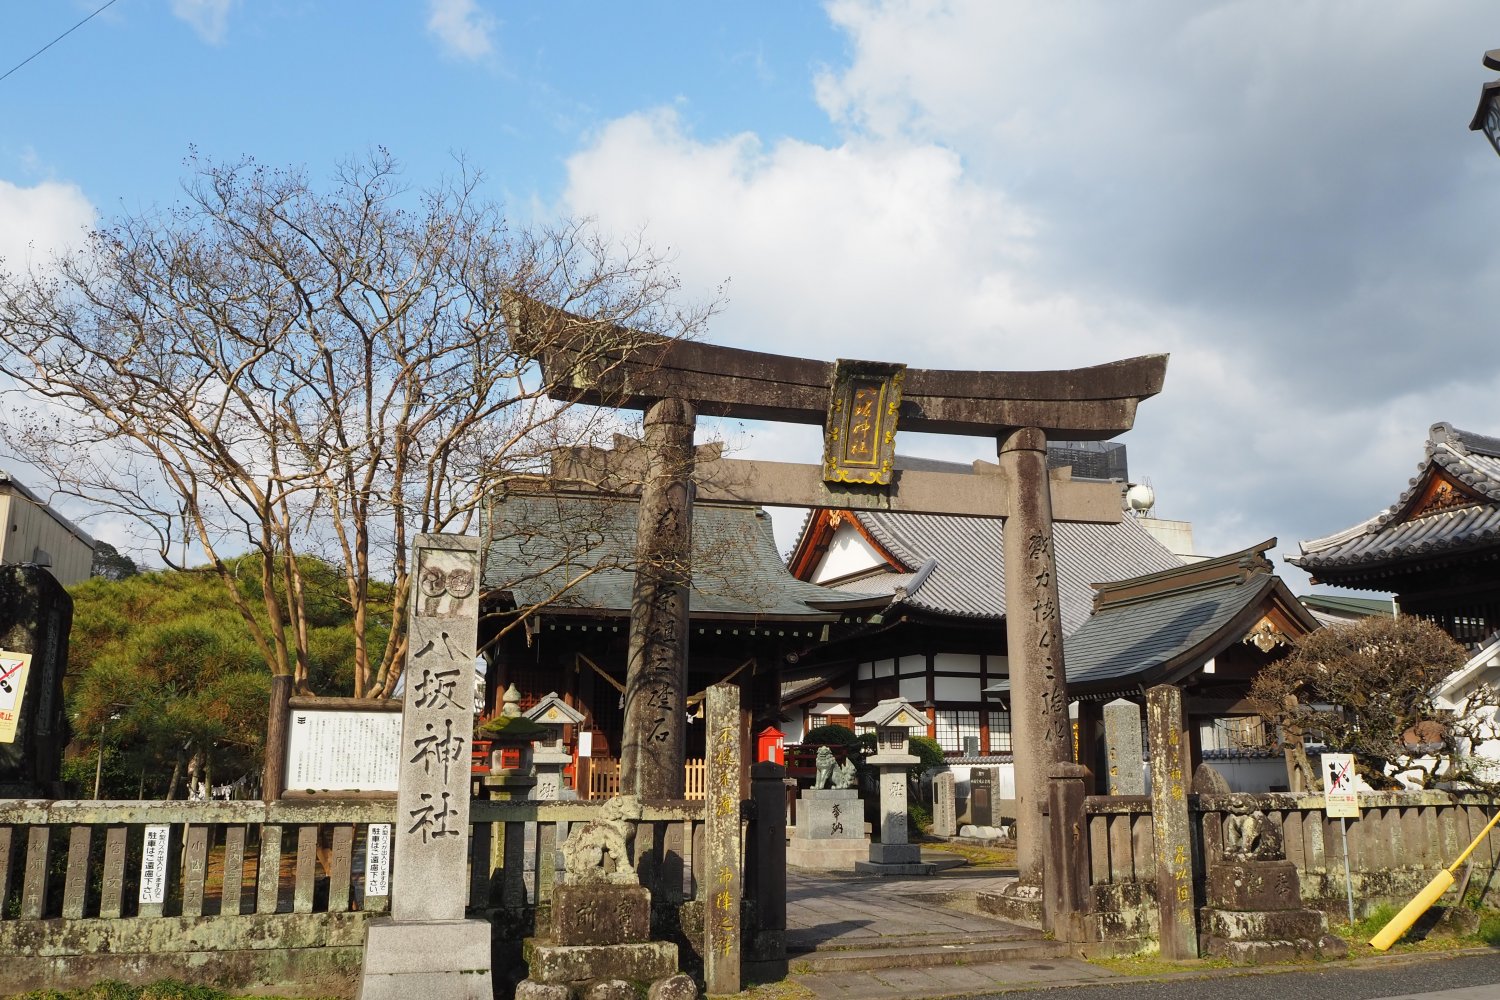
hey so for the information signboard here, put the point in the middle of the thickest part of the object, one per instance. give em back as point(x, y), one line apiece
point(1339, 794)
point(378, 860)
point(154, 863)
point(329, 750)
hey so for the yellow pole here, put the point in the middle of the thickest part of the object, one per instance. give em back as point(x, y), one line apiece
point(1401, 922)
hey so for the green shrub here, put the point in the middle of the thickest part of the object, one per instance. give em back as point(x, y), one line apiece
point(836, 736)
point(918, 818)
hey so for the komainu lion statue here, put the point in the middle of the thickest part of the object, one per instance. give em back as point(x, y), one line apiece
point(824, 773)
point(599, 850)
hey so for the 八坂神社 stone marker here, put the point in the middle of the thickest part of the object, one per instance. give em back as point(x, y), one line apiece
point(859, 404)
point(425, 947)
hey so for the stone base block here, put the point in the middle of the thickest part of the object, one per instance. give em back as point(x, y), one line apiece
point(600, 913)
point(896, 854)
point(1266, 952)
point(1019, 902)
point(1240, 925)
point(439, 958)
point(1254, 885)
point(830, 814)
point(561, 963)
point(827, 855)
point(880, 868)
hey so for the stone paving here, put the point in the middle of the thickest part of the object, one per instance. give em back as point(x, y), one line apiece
point(847, 914)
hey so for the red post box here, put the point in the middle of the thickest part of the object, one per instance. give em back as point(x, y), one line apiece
point(770, 744)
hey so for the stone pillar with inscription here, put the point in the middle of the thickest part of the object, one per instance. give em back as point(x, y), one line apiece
point(722, 841)
point(652, 752)
point(1122, 748)
point(1033, 634)
point(944, 805)
point(1173, 835)
point(426, 947)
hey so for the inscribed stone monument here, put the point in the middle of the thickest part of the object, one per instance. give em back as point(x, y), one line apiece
point(1124, 753)
point(944, 818)
point(426, 947)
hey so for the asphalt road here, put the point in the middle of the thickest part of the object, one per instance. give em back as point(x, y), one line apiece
point(1463, 977)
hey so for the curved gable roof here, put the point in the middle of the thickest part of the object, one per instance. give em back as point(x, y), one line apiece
point(1450, 505)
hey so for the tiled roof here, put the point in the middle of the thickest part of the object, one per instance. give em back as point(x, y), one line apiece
point(1472, 460)
point(1132, 639)
point(585, 549)
point(1153, 627)
point(968, 575)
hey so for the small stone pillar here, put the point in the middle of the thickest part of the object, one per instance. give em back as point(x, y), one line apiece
point(1170, 822)
point(1065, 896)
point(549, 757)
point(721, 835)
point(1123, 750)
point(944, 805)
point(765, 954)
point(893, 720)
point(426, 947)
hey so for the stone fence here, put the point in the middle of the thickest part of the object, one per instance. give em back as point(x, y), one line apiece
point(1398, 843)
point(256, 893)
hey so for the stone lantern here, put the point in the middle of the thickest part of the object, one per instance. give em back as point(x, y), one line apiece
point(893, 719)
point(551, 757)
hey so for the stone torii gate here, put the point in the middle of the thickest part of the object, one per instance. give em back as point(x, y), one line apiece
point(859, 404)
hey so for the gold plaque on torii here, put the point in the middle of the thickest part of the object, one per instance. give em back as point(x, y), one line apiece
point(859, 436)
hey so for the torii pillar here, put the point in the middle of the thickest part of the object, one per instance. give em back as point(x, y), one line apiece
point(652, 751)
point(1039, 728)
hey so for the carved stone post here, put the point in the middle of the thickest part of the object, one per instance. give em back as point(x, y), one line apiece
point(1170, 823)
point(1033, 634)
point(652, 751)
point(1065, 902)
point(721, 835)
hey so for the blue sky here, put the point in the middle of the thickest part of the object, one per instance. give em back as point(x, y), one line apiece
point(1283, 195)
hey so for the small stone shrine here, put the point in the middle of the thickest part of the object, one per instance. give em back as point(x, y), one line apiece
point(1254, 911)
point(599, 941)
point(893, 719)
point(830, 832)
point(550, 758)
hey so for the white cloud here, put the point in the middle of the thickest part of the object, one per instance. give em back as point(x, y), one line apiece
point(209, 18)
point(1049, 186)
point(462, 27)
point(40, 221)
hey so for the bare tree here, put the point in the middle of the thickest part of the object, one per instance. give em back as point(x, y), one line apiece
point(1367, 688)
point(274, 368)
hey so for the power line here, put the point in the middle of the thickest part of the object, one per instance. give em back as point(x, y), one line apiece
point(59, 38)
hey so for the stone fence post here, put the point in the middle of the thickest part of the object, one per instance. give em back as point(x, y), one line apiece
point(1170, 823)
point(1065, 885)
point(765, 955)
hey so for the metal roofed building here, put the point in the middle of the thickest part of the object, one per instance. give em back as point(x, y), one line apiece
point(1208, 627)
point(559, 570)
point(36, 534)
point(1437, 548)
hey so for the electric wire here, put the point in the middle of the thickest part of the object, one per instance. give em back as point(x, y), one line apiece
point(59, 38)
